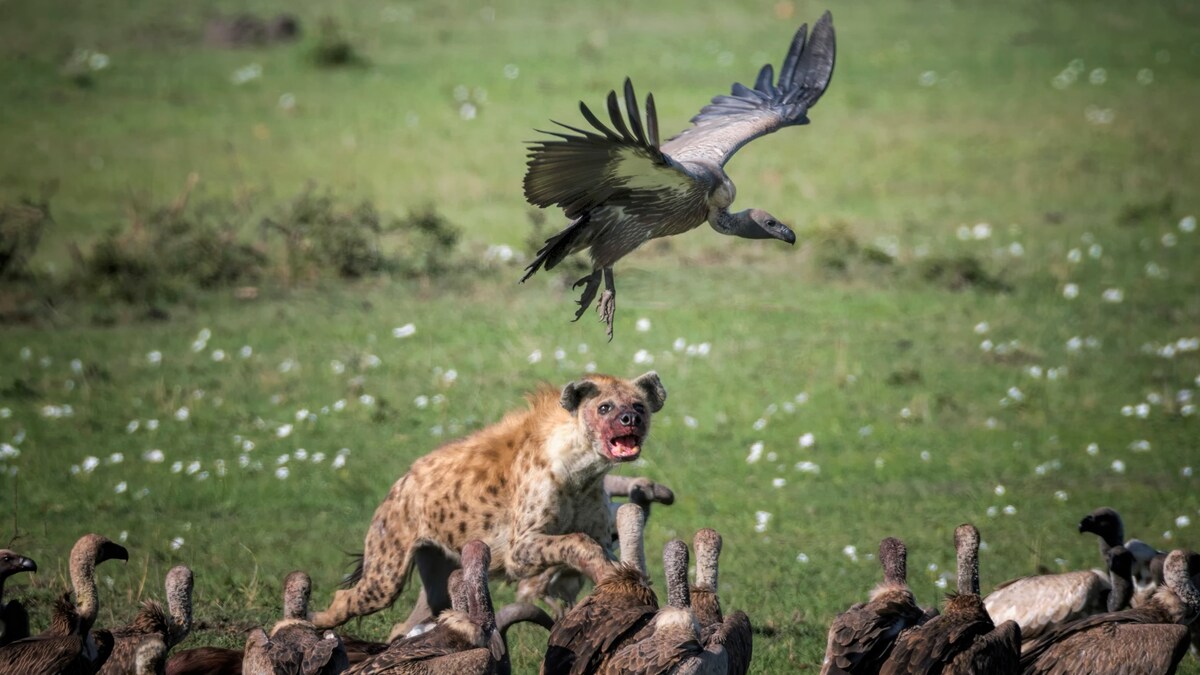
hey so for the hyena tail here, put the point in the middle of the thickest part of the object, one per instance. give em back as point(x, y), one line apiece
point(354, 575)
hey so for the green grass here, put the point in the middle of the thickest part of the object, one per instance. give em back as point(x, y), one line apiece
point(887, 163)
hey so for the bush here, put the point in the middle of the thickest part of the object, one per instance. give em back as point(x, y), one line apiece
point(333, 48)
point(21, 228)
point(318, 235)
point(427, 243)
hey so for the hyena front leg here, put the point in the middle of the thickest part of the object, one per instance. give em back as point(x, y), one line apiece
point(533, 553)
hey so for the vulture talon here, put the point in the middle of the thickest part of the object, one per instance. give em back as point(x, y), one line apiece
point(607, 309)
point(592, 282)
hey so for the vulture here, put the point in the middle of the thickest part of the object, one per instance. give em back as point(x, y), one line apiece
point(619, 606)
point(1041, 601)
point(1147, 640)
point(80, 649)
point(622, 187)
point(14, 620)
point(153, 622)
point(962, 639)
point(671, 642)
point(464, 640)
point(862, 637)
point(559, 586)
point(1106, 523)
point(732, 632)
point(294, 646)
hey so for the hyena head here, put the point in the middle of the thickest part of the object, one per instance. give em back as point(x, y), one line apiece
point(615, 413)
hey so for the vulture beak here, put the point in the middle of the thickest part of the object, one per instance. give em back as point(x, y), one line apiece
point(1085, 525)
point(111, 551)
point(785, 233)
point(27, 565)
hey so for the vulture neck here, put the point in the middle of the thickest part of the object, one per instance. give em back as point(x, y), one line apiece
point(83, 580)
point(738, 224)
point(179, 602)
point(1122, 589)
point(968, 568)
point(630, 536)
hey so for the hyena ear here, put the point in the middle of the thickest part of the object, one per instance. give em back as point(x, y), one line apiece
point(652, 387)
point(576, 393)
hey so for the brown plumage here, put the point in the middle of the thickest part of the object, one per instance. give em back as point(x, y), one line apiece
point(206, 661)
point(620, 605)
point(962, 639)
point(732, 632)
point(671, 642)
point(14, 620)
point(82, 650)
point(153, 622)
point(1148, 640)
point(150, 657)
point(862, 637)
point(294, 646)
point(465, 640)
point(621, 187)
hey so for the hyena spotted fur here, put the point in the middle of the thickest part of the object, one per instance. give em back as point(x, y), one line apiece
point(530, 486)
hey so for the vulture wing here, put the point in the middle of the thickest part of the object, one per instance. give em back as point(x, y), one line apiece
point(730, 122)
point(586, 168)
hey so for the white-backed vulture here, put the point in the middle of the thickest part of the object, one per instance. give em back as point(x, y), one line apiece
point(1106, 523)
point(82, 650)
point(14, 620)
point(616, 609)
point(622, 187)
point(150, 657)
point(861, 638)
point(671, 642)
point(465, 640)
point(171, 627)
point(295, 646)
point(733, 632)
point(962, 639)
point(206, 661)
point(1147, 640)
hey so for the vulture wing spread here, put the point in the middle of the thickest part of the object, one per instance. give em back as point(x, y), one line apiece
point(731, 121)
point(586, 168)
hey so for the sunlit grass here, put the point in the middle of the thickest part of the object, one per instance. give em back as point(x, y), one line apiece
point(919, 406)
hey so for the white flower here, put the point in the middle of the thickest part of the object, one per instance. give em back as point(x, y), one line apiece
point(372, 361)
point(1183, 521)
point(802, 558)
point(218, 355)
point(283, 431)
point(779, 482)
point(807, 467)
point(807, 440)
point(1141, 445)
point(981, 327)
point(1113, 295)
point(301, 454)
point(1186, 472)
point(283, 459)
point(1187, 224)
point(690, 422)
point(120, 487)
point(850, 551)
point(421, 401)
point(760, 424)
point(999, 490)
point(801, 398)
point(337, 367)
point(182, 414)
point(339, 405)
point(90, 463)
point(176, 543)
point(154, 456)
point(1093, 449)
point(535, 356)
point(1118, 466)
point(761, 518)
point(246, 351)
point(302, 414)
point(339, 462)
point(643, 325)
point(1074, 255)
point(643, 357)
point(981, 231)
point(8, 452)
point(703, 348)
point(680, 344)
point(992, 511)
point(1010, 510)
point(1015, 394)
point(407, 330)
point(154, 357)
point(247, 445)
point(318, 457)
point(756, 451)
point(925, 456)
point(282, 472)
point(1060, 495)
point(1071, 291)
point(940, 582)
point(151, 425)
point(177, 467)
point(193, 467)
point(116, 458)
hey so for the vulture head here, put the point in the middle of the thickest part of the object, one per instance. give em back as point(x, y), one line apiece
point(1106, 524)
point(12, 563)
point(763, 225)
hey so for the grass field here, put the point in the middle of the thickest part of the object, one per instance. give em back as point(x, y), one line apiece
point(992, 314)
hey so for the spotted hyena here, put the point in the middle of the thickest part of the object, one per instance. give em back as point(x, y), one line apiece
point(530, 486)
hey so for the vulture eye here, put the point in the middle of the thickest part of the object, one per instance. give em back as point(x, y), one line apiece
point(605, 408)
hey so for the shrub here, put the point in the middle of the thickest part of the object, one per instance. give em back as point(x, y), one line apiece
point(318, 235)
point(21, 228)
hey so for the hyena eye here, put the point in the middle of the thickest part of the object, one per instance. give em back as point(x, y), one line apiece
point(605, 408)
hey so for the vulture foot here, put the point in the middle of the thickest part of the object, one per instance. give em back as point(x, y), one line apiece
point(607, 307)
point(592, 282)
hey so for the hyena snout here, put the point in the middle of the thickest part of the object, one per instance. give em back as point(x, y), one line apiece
point(630, 418)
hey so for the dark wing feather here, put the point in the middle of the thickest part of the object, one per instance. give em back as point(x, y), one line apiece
point(930, 647)
point(14, 621)
point(731, 121)
point(580, 170)
point(862, 637)
point(1150, 614)
point(737, 637)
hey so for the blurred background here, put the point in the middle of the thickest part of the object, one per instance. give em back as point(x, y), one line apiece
point(257, 257)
